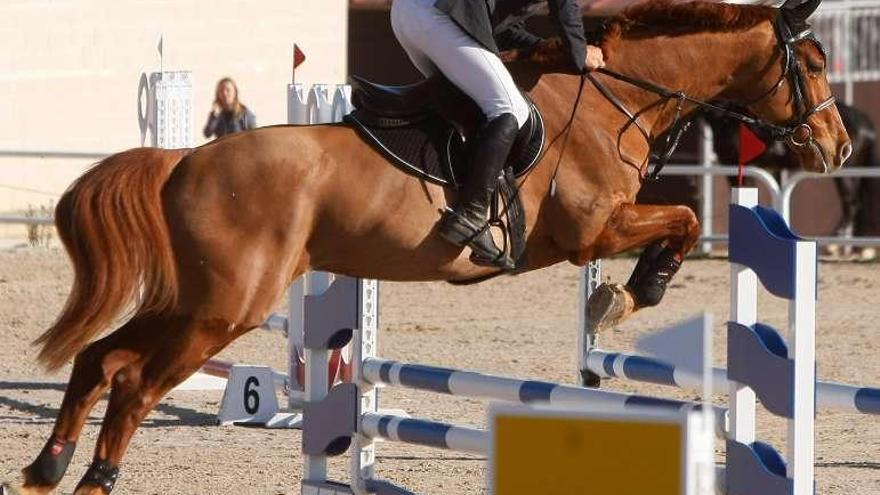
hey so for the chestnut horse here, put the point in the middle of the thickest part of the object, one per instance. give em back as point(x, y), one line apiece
point(204, 241)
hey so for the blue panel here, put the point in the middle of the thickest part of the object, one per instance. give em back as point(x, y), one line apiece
point(752, 363)
point(775, 224)
point(754, 470)
point(771, 459)
point(868, 400)
point(649, 370)
point(760, 240)
point(426, 378)
point(772, 339)
point(423, 433)
point(532, 391)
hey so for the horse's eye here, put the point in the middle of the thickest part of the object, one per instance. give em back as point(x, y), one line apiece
point(815, 66)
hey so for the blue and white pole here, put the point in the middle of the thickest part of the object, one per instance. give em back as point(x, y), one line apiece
point(482, 386)
point(829, 395)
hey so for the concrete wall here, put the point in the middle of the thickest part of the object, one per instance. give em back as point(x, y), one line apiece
point(69, 71)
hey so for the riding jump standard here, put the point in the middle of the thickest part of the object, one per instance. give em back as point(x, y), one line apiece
point(762, 247)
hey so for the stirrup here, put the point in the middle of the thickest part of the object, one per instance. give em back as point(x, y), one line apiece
point(465, 233)
point(502, 261)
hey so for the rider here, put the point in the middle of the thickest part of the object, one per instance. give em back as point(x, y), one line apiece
point(460, 39)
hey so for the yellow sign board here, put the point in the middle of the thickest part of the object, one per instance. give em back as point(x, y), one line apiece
point(552, 453)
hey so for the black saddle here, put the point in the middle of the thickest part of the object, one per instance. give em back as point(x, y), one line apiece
point(424, 128)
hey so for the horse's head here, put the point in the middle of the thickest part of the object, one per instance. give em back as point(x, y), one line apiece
point(795, 97)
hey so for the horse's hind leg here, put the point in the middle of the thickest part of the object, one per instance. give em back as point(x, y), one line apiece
point(93, 370)
point(669, 232)
point(170, 350)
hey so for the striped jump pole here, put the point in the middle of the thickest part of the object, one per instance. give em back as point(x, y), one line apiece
point(425, 433)
point(477, 385)
point(829, 395)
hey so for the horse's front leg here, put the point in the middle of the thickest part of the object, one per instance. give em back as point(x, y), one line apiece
point(668, 232)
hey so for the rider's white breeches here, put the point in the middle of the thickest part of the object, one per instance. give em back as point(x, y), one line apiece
point(435, 43)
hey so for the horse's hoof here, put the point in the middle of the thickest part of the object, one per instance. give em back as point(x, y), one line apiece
point(609, 306)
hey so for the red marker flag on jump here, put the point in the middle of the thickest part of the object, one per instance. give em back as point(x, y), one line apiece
point(750, 147)
point(298, 58)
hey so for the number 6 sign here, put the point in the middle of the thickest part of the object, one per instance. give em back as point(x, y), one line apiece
point(249, 397)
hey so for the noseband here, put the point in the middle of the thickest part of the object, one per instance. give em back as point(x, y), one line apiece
point(798, 131)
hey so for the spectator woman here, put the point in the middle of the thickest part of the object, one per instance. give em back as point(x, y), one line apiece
point(228, 115)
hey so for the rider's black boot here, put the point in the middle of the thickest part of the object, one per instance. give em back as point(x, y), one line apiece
point(466, 223)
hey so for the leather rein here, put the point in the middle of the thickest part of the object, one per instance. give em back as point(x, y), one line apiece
point(792, 72)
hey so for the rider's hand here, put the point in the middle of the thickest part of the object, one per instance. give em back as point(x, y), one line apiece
point(595, 58)
point(216, 110)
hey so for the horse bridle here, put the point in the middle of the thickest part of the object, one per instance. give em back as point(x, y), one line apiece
point(792, 72)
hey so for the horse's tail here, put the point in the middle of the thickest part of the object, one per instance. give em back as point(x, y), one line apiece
point(113, 227)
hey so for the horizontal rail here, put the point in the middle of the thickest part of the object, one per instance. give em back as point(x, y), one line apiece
point(87, 155)
point(795, 179)
point(780, 196)
point(821, 240)
point(762, 176)
point(425, 433)
point(21, 219)
point(482, 386)
point(829, 395)
point(222, 369)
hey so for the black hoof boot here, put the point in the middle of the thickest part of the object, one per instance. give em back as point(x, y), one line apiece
point(49, 467)
point(650, 287)
point(101, 474)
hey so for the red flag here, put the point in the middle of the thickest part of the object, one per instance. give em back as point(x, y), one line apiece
point(750, 145)
point(298, 56)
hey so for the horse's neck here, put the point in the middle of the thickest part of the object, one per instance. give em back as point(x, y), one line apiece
point(701, 65)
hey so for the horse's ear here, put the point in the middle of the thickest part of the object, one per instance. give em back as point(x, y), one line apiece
point(796, 12)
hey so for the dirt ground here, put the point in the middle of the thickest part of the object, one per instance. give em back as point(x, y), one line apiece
point(523, 326)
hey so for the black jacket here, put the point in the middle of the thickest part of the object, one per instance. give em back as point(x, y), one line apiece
point(227, 123)
point(494, 23)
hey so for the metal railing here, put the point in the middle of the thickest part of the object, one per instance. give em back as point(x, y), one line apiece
point(60, 154)
point(26, 220)
point(781, 195)
point(85, 155)
point(795, 179)
point(850, 30)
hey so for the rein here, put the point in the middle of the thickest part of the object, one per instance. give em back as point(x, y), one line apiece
point(792, 72)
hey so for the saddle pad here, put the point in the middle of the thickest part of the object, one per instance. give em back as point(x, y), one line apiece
point(432, 149)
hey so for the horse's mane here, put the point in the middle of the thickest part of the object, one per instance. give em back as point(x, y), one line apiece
point(665, 17)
